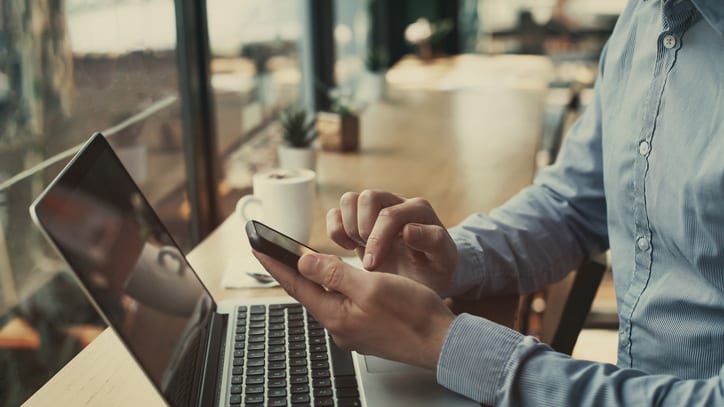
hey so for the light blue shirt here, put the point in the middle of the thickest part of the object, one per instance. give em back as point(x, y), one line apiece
point(641, 172)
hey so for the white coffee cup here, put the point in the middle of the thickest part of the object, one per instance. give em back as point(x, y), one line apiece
point(284, 200)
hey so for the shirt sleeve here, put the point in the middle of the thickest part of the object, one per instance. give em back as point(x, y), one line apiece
point(495, 365)
point(547, 229)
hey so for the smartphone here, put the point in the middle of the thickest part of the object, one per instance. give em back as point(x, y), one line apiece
point(275, 244)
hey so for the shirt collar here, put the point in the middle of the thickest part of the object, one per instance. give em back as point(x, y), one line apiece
point(713, 12)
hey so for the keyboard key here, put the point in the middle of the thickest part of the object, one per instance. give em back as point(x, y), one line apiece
point(255, 380)
point(276, 327)
point(277, 393)
point(349, 402)
point(237, 379)
point(254, 389)
point(320, 374)
point(295, 317)
point(297, 338)
point(318, 356)
point(295, 324)
point(318, 348)
point(235, 399)
point(241, 308)
point(257, 318)
point(277, 365)
point(321, 383)
point(276, 334)
point(256, 371)
point(317, 341)
point(239, 353)
point(256, 339)
point(276, 307)
point(297, 362)
point(277, 374)
point(297, 346)
point(240, 338)
point(236, 389)
point(277, 341)
point(323, 392)
point(300, 398)
point(276, 383)
point(323, 402)
point(276, 320)
point(345, 382)
point(256, 331)
point(277, 402)
point(277, 357)
point(299, 389)
point(257, 309)
point(342, 364)
point(296, 371)
point(316, 332)
point(320, 364)
point(257, 346)
point(296, 331)
point(237, 370)
point(254, 363)
point(276, 313)
point(254, 398)
point(257, 324)
point(238, 361)
point(239, 345)
point(299, 380)
point(256, 354)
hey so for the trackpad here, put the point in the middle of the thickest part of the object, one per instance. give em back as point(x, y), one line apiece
point(379, 365)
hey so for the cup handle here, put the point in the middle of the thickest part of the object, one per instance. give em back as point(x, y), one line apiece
point(244, 203)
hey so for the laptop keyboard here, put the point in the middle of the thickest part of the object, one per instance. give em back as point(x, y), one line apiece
point(284, 357)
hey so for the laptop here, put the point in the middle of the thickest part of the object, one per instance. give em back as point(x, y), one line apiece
point(195, 351)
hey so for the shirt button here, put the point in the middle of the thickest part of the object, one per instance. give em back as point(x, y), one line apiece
point(669, 41)
point(643, 243)
point(644, 147)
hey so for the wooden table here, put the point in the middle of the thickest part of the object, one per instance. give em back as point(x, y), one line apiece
point(464, 151)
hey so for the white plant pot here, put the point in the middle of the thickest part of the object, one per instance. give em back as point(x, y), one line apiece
point(374, 86)
point(291, 157)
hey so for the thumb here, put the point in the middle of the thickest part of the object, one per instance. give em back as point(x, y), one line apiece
point(429, 239)
point(334, 274)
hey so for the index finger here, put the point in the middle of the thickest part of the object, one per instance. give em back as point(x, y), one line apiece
point(389, 224)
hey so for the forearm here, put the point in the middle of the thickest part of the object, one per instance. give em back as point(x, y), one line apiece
point(497, 366)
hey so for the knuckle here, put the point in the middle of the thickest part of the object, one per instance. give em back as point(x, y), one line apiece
point(347, 198)
point(335, 274)
point(421, 202)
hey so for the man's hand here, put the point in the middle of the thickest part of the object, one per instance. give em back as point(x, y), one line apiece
point(373, 313)
point(395, 235)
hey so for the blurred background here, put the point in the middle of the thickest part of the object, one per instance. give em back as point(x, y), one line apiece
point(188, 93)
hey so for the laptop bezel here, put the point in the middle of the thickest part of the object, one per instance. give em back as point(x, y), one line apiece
point(77, 167)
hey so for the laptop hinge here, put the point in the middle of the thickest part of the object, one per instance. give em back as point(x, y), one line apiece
point(212, 361)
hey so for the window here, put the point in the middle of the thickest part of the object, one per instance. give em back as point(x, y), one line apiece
point(255, 72)
point(67, 70)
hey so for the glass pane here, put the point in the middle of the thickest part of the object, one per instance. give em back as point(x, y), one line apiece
point(255, 72)
point(69, 69)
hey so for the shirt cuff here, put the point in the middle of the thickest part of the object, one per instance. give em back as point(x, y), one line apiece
point(469, 270)
point(475, 357)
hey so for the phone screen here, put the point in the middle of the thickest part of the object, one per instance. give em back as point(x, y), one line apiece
point(281, 240)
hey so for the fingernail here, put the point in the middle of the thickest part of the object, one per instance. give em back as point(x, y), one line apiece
point(367, 261)
point(308, 261)
point(415, 232)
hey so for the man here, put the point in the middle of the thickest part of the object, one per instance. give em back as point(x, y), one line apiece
point(640, 173)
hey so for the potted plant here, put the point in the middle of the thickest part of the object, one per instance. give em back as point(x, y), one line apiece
point(339, 129)
point(298, 131)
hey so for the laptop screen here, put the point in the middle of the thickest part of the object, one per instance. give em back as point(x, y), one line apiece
point(130, 266)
